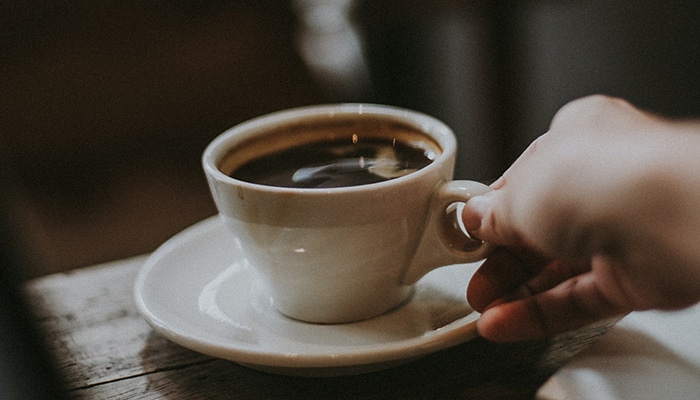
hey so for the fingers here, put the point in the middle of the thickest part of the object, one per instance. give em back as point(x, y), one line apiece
point(501, 273)
point(484, 221)
point(575, 303)
point(523, 296)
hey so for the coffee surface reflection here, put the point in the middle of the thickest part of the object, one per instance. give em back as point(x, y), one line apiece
point(335, 163)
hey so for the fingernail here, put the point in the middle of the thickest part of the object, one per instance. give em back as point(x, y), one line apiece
point(473, 212)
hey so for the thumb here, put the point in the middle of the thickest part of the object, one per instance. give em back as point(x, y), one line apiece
point(477, 216)
point(485, 219)
point(473, 214)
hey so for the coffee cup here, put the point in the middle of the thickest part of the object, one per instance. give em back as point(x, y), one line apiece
point(340, 209)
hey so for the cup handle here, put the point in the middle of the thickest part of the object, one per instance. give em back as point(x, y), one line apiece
point(444, 241)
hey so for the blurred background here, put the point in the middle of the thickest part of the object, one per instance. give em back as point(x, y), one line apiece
point(106, 105)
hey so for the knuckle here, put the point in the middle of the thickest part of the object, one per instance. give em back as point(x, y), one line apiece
point(594, 111)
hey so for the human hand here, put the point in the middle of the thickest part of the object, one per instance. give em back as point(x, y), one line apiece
point(599, 217)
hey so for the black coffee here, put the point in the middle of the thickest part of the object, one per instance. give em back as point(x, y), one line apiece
point(335, 163)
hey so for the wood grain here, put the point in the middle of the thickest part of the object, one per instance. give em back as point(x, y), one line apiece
point(105, 350)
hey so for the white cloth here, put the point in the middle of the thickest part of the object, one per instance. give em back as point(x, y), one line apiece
point(646, 355)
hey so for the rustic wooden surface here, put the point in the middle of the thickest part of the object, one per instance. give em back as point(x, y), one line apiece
point(105, 350)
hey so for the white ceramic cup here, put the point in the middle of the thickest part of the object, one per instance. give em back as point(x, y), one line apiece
point(348, 253)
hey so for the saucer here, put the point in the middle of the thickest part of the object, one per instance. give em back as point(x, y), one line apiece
point(198, 291)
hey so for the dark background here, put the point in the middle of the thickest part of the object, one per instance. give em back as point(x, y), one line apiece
point(106, 105)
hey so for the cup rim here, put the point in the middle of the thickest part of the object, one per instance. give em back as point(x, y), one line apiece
point(431, 126)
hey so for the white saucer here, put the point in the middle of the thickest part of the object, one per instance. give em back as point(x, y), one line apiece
point(197, 291)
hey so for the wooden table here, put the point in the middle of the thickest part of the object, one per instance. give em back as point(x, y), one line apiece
point(105, 350)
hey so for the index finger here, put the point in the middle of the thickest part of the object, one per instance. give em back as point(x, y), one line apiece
point(575, 303)
point(503, 271)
